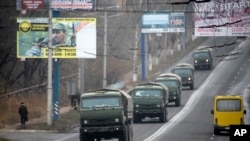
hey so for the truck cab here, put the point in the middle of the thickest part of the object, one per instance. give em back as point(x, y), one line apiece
point(174, 84)
point(150, 100)
point(203, 58)
point(186, 72)
point(227, 110)
point(106, 114)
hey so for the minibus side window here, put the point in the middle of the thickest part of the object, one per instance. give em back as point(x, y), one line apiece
point(228, 105)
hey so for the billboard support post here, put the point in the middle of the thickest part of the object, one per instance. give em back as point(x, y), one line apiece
point(56, 83)
point(143, 57)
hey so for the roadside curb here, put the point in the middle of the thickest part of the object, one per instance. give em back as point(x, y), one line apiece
point(26, 131)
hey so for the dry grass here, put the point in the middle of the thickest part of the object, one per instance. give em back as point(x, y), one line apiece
point(35, 102)
point(66, 121)
point(3, 139)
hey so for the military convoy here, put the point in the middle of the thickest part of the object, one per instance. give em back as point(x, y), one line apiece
point(186, 72)
point(203, 58)
point(106, 114)
point(174, 84)
point(150, 100)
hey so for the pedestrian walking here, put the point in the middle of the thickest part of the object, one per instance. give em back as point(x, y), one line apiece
point(23, 112)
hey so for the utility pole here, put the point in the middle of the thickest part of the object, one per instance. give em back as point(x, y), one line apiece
point(135, 55)
point(105, 51)
point(81, 75)
point(49, 87)
point(105, 44)
point(135, 67)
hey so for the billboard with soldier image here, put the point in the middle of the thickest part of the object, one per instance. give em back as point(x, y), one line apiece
point(71, 38)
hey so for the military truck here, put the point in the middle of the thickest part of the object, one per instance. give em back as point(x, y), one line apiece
point(203, 58)
point(106, 114)
point(174, 84)
point(186, 72)
point(150, 100)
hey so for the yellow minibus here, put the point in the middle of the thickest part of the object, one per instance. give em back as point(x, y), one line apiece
point(228, 110)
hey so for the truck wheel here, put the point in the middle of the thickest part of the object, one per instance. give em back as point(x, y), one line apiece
point(163, 118)
point(136, 119)
point(81, 136)
point(85, 138)
point(178, 101)
point(124, 136)
point(191, 86)
point(209, 66)
point(216, 131)
point(196, 68)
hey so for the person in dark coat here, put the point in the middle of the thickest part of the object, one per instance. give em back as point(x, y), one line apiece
point(23, 112)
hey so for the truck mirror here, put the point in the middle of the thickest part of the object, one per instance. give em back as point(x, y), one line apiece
point(245, 111)
point(212, 112)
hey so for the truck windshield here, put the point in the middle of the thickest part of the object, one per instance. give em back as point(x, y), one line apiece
point(182, 71)
point(168, 83)
point(91, 102)
point(201, 54)
point(228, 105)
point(148, 93)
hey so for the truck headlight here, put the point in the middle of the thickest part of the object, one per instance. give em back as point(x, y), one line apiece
point(207, 60)
point(136, 105)
point(85, 122)
point(158, 105)
point(189, 78)
point(117, 120)
point(195, 61)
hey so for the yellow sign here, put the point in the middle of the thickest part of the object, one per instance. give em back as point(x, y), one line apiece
point(25, 27)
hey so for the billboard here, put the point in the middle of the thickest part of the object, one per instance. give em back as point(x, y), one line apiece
point(222, 18)
point(32, 4)
point(71, 37)
point(73, 4)
point(57, 5)
point(163, 22)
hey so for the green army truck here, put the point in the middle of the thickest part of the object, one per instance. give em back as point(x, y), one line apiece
point(150, 100)
point(186, 72)
point(203, 58)
point(106, 114)
point(174, 84)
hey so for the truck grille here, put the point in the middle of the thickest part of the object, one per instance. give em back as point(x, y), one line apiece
point(148, 106)
point(101, 122)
